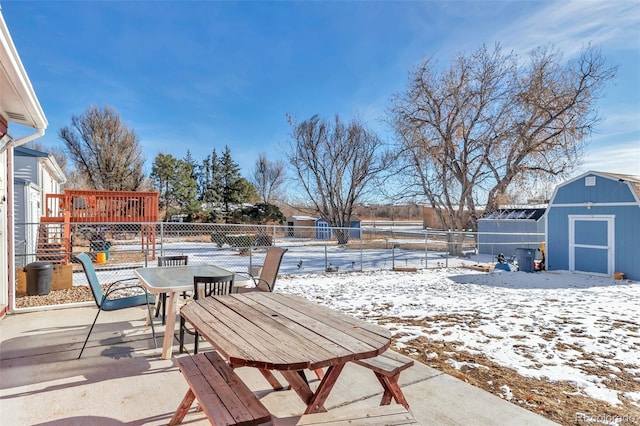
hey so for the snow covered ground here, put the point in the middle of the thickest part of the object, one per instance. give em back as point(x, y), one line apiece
point(553, 325)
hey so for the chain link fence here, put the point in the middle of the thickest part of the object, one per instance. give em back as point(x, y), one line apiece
point(119, 248)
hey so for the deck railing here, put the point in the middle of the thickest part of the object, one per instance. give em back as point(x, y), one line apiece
point(102, 206)
point(87, 206)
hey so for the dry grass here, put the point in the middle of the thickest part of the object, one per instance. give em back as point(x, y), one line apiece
point(560, 402)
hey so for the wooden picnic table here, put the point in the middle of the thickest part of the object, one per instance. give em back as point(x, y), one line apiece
point(274, 331)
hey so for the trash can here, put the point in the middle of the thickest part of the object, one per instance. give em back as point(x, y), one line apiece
point(107, 249)
point(526, 257)
point(39, 277)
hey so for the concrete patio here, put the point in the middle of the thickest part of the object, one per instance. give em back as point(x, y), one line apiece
point(121, 379)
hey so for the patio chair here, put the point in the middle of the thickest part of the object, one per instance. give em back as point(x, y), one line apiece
point(267, 279)
point(103, 300)
point(205, 287)
point(162, 299)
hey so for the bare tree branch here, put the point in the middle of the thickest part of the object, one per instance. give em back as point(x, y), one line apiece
point(334, 163)
point(105, 152)
point(268, 178)
point(468, 132)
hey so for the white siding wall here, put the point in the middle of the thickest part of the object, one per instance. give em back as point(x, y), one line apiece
point(4, 230)
point(26, 168)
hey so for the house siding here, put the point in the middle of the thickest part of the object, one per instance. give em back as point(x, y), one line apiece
point(4, 230)
point(494, 235)
point(605, 190)
point(26, 168)
point(19, 207)
point(34, 177)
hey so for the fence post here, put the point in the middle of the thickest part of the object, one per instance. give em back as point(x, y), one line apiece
point(393, 255)
point(449, 242)
point(361, 255)
point(161, 238)
point(326, 260)
point(426, 249)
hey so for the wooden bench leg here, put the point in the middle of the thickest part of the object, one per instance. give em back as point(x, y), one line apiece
point(391, 390)
point(275, 384)
point(183, 408)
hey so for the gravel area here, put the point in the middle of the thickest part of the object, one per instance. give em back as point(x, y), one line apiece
point(56, 297)
point(70, 295)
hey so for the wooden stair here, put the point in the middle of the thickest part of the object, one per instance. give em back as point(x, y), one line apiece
point(54, 243)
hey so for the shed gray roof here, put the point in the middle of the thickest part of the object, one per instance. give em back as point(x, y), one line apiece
point(530, 214)
point(634, 181)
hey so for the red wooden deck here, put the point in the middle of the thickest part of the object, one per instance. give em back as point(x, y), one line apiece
point(88, 206)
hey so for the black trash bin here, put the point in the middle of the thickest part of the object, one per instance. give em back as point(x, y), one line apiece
point(39, 277)
point(526, 258)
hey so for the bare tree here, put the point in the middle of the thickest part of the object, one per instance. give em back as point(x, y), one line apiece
point(467, 133)
point(104, 151)
point(334, 162)
point(268, 178)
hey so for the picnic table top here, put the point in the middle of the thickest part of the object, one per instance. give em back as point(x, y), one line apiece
point(276, 331)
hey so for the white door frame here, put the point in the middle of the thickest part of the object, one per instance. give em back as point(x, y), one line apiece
point(33, 212)
point(610, 247)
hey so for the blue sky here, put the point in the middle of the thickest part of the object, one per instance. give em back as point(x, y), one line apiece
point(200, 75)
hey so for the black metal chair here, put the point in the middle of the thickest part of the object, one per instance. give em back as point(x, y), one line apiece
point(162, 299)
point(205, 287)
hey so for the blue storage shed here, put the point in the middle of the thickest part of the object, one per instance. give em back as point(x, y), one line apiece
point(593, 225)
point(324, 232)
point(505, 230)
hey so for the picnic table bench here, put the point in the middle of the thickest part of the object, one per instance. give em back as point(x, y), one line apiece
point(387, 367)
point(226, 400)
point(222, 395)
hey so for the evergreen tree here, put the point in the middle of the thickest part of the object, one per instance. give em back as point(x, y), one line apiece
point(231, 185)
point(248, 192)
point(161, 173)
point(209, 180)
point(193, 208)
point(174, 180)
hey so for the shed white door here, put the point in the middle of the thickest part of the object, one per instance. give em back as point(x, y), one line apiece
point(591, 244)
